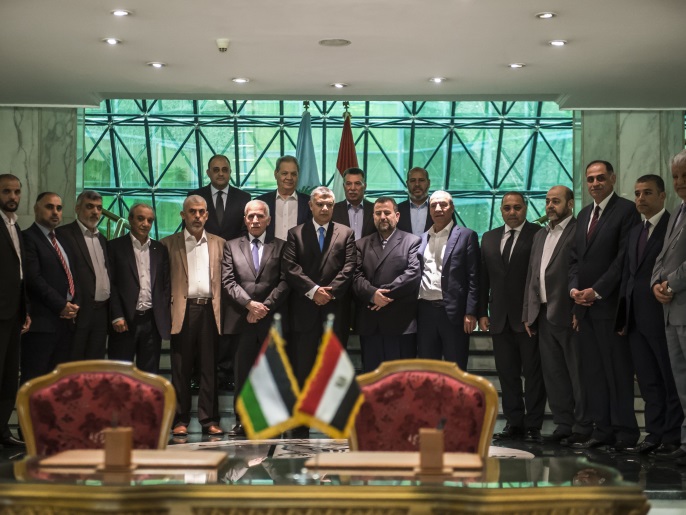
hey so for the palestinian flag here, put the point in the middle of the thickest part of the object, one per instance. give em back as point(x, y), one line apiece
point(331, 396)
point(268, 397)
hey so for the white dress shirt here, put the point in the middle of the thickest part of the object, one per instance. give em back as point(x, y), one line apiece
point(198, 258)
point(141, 251)
point(551, 240)
point(418, 214)
point(102, 279)
point(602, 205)
point(356, 218)
point(654, 220)
point(506, 236)
point(310, 294)
point(285, 215)
point(430, 287)
point(10, 222)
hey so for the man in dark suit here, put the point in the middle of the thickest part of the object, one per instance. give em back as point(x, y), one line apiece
point(548, 312)
point(141, 293)
point(255, 284)
point(287, 206)
point(91, 274)
point(595, 276)
point(319, 259)
point(505, 253)
point(51, 289)
point(386, 283)
point(645, 324)
point(14, 317)
point(355, 211)
point(414, 212)
point(449, 289)
point(669, 289)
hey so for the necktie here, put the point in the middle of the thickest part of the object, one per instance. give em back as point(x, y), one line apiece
point(643, 240)
point(383, 243)
point(507, 250)
point(322, 234)
point(594, 222)
point(219, 207)
point(256, 253)
point(70, 279)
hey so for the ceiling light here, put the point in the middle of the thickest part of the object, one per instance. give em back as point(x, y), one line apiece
point(121, 12)
point(334, 42)
point(437, 80)
point(157, 64)
point(545, 15)
point(339, 85)
point(112, 41)
point(240, 80)
point(557, 42)
point(517, 65)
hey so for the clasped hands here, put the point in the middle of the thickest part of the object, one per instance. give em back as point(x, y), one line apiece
point(256, 311)
point(69, 311)
point(661, 293)
point(583, 297)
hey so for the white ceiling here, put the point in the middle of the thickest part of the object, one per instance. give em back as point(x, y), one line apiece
point(621, 53)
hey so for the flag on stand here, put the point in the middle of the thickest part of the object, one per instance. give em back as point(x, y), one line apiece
point(308, 178)
point(331, 397)
point(267, 399)
point(347, 158)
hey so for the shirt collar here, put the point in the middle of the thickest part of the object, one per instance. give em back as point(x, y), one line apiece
point(261, 237)
point(443, 231)
point(188, 236)
point(10, 218)
point(560, 226)
point(420, 206)
point(516, 229)
point(86, 231)
point(654, 220)
point(355, 208)
point(603, 204)
point(137, 244)
point(215, 190)
point(317, 226)
point(389, 237)
point(293, 195)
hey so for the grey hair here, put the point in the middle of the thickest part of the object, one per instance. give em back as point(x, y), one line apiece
point(194, 199)
point(678, 160)
point(441, 193)
point(322, 191)
point(260, 203)
point(89, 195)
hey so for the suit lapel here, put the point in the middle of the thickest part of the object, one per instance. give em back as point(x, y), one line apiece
point(656, 238)
point(267, 250)
point(154, 257)
point(181, 250)
point(603, 218)
point(567, 233)
point(130, 256)
point(453, 238)
point(328, 246)
point(81, 243)
point(673, 231)
point(6, 234)
point(246, 249)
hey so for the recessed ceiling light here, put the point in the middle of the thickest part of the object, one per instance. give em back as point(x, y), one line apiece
point(517, 65)
point(339, 85)
point(240, 80)
point(545, 15)
point(334, 42)
point(557, 42)
point(111, 41)
point(157, 64)
point(437, 80)
point(121, 12)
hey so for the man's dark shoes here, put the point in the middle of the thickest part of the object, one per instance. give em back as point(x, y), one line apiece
point(533, 435)
point(665, 448)
point(591, 443)
point(555, 437)
point(573, 439)
point(674, 455)
point(11, 441)
point(622, 446)
point(642, 448)
point(237, 432)
point(509, 432)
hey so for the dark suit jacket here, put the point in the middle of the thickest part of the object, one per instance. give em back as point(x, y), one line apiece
point(638, 305)
point(125, 286)
point(307, 266)
point(242, 283)
point(558, 302)
point(405, 222)
point(598, 263)
point(460, 277)
point(396, 268)
point(304, 213)
point(502, 289)
point(46, 281)
point(340, 216)
point(234, 206)
point(670, 266)
point(13, 290)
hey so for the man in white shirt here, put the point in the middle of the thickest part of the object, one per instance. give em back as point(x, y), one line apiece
point(414, 212)
point(195, 268)
point(355, 211)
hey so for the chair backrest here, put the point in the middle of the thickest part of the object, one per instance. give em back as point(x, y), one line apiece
point(405, 395)
point(69, 407)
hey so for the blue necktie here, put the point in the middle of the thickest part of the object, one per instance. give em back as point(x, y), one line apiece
point(322, 233)
point(256, 254)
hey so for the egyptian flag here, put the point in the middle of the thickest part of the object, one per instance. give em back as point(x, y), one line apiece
point(331, 397)
point(268, 397)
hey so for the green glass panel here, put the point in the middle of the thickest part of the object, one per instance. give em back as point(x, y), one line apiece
point(170, 107)
point(474, 213)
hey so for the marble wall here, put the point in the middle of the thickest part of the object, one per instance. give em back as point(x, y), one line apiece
point(40, 146)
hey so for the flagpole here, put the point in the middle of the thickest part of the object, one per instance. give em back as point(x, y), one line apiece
point(277, 323)
point(328, 325)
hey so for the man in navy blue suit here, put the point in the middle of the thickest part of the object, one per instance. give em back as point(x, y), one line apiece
point(643, 320)
point(449, 288)
point(595, 276)
point(287, 206)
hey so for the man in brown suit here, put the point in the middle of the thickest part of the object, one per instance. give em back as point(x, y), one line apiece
point(195, 267)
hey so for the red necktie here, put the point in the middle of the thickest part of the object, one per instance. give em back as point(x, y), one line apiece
point(594, 222)
point(70, 279)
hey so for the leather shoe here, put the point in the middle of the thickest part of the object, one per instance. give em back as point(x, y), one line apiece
point(591, 443)
point(642, 448)
point(11, 441)
point(509, 432)
point(237, 431)
point(665, 448)
point(622, 446)
point(180, 430)
point(533, 434)
point(574, 438)
point(555, 437)
point(212, 430)
point(674, 455)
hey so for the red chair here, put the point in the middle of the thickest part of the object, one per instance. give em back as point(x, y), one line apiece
point(69, 407)
point(405, 395)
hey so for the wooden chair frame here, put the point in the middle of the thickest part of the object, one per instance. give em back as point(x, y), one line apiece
point(93, 366)
point(388, 368)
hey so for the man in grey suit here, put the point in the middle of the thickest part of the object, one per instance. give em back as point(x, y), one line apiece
point(386, 284)
point(256, 287)
point(548, 312)
point(669, 288)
